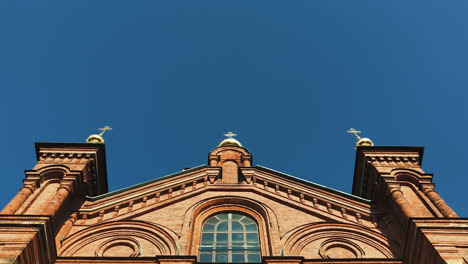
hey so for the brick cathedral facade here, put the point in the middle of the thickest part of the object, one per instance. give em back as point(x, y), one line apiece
point(229, 211)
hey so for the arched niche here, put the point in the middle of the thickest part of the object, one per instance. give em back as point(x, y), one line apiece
point(120, 239)
point(37, 202)
point(46, 173)
point(411, 185)
point(46, 181)
point(338, 241)
point(195, 218)
point(410, 176)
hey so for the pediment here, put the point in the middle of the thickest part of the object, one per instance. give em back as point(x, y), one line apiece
point(282, 205)
point(201, 183)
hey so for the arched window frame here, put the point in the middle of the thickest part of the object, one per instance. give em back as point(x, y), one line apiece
point(231, 237)
point(203, 211)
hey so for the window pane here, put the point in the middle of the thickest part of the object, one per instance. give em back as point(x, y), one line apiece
point(208, 228)
point(221, 238)
point(222, 217)
point(247, 221)
point(206, 258)
point(224, 238)
point(238, 258)
point(207, 239)
point(222, 248)
point(237, 227)
point(252, 238)
point(205, 249)
point(253, 258)
point(237, 237)
point(223, 227)
point(236, 216)
point(251, 227)
point(255, 247)
point(238, 249)
point(221, 257)
point(212, 221)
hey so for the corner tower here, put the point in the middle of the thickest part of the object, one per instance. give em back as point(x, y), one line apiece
point(230, 156)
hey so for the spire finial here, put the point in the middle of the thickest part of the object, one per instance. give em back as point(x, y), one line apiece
point(360, 141)
point(104, 129)
point(230, 134)
point(355, 132)
point(97, 138)
point(230, 140)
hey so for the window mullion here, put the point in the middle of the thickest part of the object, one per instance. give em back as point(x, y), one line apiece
point(225, 235)
point(244, 231)
point(215, 233)
point(230, 237)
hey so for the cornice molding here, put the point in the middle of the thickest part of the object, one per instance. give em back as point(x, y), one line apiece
point(372, 160)
point(92, 156)
point(161, 193)
point(394, 160)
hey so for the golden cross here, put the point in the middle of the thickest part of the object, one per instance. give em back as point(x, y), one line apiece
point(355, 132)
point(104, 129)
point(230, 134)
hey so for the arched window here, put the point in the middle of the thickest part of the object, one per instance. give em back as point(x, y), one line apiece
point(230, 237)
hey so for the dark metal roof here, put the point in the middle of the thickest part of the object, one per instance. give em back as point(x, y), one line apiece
point(95, 198)
point(313, 184)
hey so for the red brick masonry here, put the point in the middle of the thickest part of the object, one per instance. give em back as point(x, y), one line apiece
point(63, 213)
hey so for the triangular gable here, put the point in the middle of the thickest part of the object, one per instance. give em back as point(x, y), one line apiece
point(320, 200)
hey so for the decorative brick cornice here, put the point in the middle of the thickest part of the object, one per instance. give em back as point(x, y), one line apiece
point(397, 157)
point(248, 174)
point(92, 156)
point(395, 161)
point(213, 174)
point(374, 161)
point(152, 194)
point(313, 198)
point(54, 157)
point(58, 157)
point(334, 205)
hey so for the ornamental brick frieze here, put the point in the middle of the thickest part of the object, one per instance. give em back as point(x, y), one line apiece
point(88, 159)
point(388, 160)
point(160, 194)
point(320, 205)
point(83, 161)
point(323, 201)
point(374, 164)
point(161, 199)
point(46, 157)
point(402, 157)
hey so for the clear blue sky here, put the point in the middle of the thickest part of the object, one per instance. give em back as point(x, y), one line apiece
point(290, 77)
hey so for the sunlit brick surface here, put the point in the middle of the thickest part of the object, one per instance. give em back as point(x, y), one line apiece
point(51, 221)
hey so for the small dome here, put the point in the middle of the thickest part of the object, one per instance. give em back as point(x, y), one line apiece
point(364, 142)
point(95, 139)
point(230, 142)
